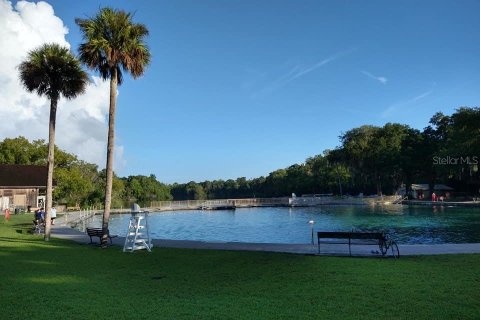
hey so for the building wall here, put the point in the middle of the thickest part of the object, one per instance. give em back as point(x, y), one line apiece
point(20, 198)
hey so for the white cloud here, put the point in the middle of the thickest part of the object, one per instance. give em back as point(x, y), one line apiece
point(82, 122)
point(382, 80)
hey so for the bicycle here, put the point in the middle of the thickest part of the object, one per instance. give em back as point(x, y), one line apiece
point(386, 244)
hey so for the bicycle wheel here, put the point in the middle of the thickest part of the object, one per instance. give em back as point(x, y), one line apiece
point(395, 251)
point(383, 247)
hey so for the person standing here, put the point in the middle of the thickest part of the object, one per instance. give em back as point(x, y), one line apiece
point(53, 215)
point(41, 214)
point(38, 220)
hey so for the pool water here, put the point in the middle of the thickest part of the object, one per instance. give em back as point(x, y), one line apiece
point(406, 224)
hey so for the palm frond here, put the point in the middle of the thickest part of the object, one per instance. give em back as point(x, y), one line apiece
point(112, 41)
point(51, 70)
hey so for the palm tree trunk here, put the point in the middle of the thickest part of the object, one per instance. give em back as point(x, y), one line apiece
point(110, 145)
point(50, 163)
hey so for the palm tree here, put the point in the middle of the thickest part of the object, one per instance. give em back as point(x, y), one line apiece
point(113, 43)
point(51, 71)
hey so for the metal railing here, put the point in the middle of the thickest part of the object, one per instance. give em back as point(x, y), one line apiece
point(400, 200)
point(198, 204)
point(338, 200)
point(79, 217)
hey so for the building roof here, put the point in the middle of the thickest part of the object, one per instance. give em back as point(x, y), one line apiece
point(437, 186)
point(425, 187)
point(22, 176)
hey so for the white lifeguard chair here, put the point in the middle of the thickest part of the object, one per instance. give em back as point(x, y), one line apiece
point(138, 235)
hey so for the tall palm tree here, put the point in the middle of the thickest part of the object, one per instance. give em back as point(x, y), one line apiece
point(113, 42)
point(52, 71)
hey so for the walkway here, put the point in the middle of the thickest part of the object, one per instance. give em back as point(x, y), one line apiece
point(60, 230)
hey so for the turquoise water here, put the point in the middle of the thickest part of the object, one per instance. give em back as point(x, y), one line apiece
point(406, 224)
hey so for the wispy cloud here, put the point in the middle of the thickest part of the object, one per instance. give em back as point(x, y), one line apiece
point(297, 72)
point(300, 71)
point(382, 80)
point(421, 96)
point(393, 108)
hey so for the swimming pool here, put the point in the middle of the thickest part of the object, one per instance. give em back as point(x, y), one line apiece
point(406, 224)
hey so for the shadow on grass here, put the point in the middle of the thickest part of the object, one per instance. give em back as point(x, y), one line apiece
point(39, 241)
point(22, 224)
point(27, 231)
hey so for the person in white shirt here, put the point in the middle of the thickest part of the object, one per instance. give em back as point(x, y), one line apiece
point(53, 214)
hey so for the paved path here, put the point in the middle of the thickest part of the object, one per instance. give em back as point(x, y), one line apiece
point(60, 230)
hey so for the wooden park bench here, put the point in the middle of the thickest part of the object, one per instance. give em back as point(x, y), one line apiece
point(359, 238)
point(97, 232)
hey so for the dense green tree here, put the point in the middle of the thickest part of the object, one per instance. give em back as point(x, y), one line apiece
point(113, 42)
point(413, 159)
point(16, 151)
point(219, 191)
point(75, 184)
point(275, 183)
point(388, 147)
point(375, 155)
point(359, 147)
point(464, 132)
point(242, 188)
point(52, 71)
point(434, 142)
point(143, 189)
point(295, 179)
point(258, 187)
point(458, 148)
point(195, 191)
point(327, 173)
point(119, 194)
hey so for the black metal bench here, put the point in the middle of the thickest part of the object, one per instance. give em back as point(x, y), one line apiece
point(97, 232)
point(359, 238)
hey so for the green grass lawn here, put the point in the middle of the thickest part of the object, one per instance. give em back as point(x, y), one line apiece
point(65, 280)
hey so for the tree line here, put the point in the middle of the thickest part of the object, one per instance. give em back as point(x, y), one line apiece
point(369, 160)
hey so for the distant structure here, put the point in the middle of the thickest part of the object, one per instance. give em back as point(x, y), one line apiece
point(422, 191)
point(22, 186)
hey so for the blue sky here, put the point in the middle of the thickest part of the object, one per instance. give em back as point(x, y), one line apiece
point(242, 88)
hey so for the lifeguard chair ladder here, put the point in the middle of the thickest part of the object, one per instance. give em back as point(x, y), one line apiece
point(138, 235)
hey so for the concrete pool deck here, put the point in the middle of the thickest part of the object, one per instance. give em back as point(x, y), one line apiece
point(62, 231)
